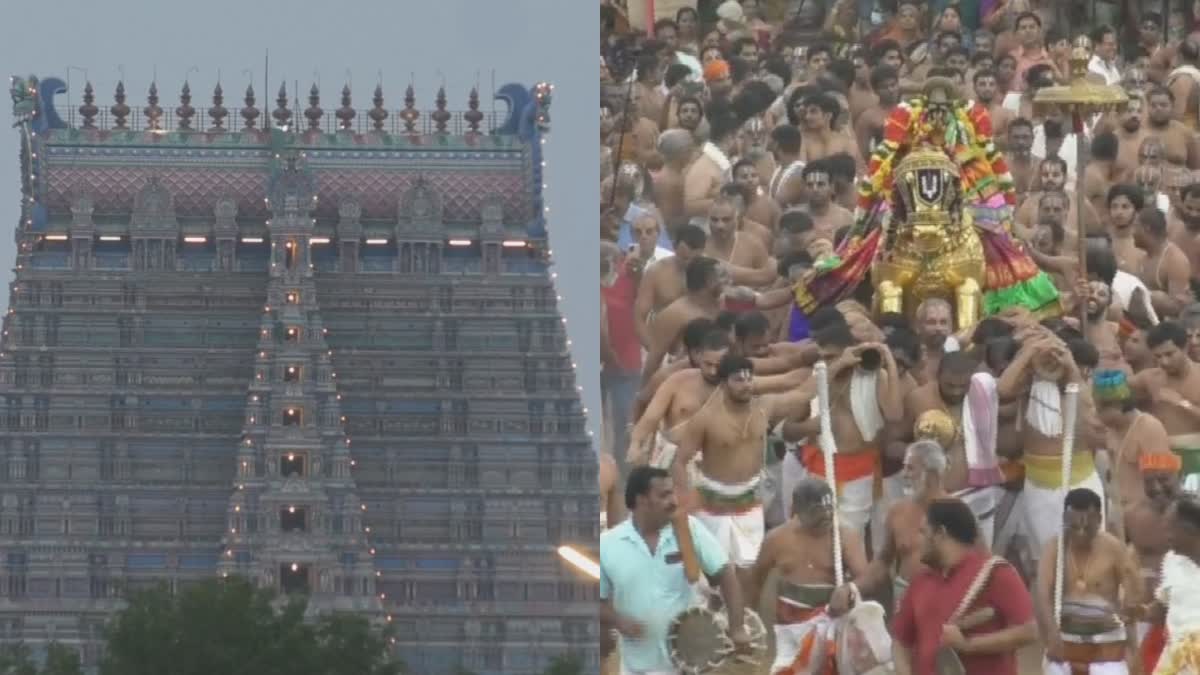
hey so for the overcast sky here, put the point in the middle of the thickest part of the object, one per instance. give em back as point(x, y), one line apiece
point(458, 40)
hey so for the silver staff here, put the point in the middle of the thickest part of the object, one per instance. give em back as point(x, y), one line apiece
point(1070, 411)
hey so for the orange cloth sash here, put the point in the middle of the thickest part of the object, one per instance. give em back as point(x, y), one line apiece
point(847, 467)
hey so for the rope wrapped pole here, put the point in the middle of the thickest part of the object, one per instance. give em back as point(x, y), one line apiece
point(1070, 413)
point(828, 449)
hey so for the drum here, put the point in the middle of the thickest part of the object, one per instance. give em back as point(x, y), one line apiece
point(698, 641)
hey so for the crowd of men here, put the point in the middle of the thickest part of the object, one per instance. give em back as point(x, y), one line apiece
point(732, 137)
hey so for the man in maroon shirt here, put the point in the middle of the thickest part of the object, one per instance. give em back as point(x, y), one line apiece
point(948, 536)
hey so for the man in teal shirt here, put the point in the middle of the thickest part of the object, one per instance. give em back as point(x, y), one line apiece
point(642, 583)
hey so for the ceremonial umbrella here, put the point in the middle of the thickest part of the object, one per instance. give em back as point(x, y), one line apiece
point(1080, 99)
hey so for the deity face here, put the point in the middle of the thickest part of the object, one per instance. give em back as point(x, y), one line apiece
point(938, 106)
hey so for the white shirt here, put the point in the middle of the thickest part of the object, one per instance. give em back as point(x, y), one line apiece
point(1109, 71)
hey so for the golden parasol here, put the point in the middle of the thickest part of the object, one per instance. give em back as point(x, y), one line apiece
point(1080, 99)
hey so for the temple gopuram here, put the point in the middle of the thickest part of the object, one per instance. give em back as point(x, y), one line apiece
point(320, 349)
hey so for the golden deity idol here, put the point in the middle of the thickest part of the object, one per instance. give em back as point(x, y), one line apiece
point(929, 247)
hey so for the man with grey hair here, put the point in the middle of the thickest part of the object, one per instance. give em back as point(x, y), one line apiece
point(899, 559)
point(679, 149)
point(745, 257)
point(935, 327)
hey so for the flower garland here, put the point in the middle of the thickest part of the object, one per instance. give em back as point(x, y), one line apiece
point(967, 139)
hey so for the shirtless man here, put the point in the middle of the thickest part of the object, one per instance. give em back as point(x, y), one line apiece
point(1035, 379)
point(1145, 527)
point(786, 186)
point(1184, 225)
point(1100, 330)
point(1172, 394)
point(1180, 142)
point(1022, 163)
point(800, 552)
point(1124, 203)
point(865, 396)
point(612, 502)
point(1166, 270)
point(1052, 175)
point(1097, 573)
point(635, 135)
point(759, 207)
point(820, 138)
point(828, 217)
point(740, 194)
point(868, 127)
point(900, 557)
point(706, 283)
point(1101, 172)
point(1131, 433)
point(676, 400)
point(744, 256)
point(987, 94)
point(678, 149)
point(935, 326)
point(1047, 247)
point(1184, 84)
point(1130, 134)
point(729, 441)
point(973, 473)
point(665, 281)
point(711, 169)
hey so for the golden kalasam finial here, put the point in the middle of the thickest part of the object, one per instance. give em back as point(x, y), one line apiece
point(936, 425)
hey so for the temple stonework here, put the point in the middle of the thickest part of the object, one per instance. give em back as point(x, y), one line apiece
point(317, 349)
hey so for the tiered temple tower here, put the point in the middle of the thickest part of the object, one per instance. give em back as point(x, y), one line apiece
point(323, 354)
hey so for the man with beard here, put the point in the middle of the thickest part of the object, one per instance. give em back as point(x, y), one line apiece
point(1131, 133)
point(970, 399)
point(987, 94)
point(1182, 147)
point(786, 186)
point(1124, 203)
point(935, 327)
point(1089, 636)
point(827, 216)
point(679, 398)
point(740, 194)
point(1166, 270)
point(820, 138)
point(642, 585)
point(703, 179)
point(743, 255)
point(1102, 333)
point(1052, 174)
point(728, 442)
point(801, 552)
point(678, 150)
point(690, 114)
point(925, 622)
point(1145, 528)
point(868, 127)
point(665, 281)
point(899, 558)
point(1035, 379)
point(1018, 150)
point(759, 207)
point(1131, 435)
point(1172, 392)
point(1184, 227)
point(706, 282)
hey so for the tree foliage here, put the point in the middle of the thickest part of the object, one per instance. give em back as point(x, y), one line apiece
point(565, 664)
point(231, 627)
point(17, 659)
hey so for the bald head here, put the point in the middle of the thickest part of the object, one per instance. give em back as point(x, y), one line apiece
point(675, 145)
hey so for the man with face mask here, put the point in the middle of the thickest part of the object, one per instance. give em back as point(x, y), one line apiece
point(925, 622)
point(1172, 393)
point(801, 552)
point(728, 443)
point(1089, 636)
